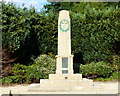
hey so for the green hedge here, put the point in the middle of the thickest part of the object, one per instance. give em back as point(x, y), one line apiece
point(42, 67)
point(101, 69)
point(13, 79)
point(95, 31)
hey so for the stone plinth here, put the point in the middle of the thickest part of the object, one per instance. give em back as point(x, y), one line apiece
point(65, 76)
point(48, 85)
point(64, 82)
point(59, 66)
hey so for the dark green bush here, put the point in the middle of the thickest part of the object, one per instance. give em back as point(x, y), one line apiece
point(114, 75)
point(17, 75)
point(100, 69)
point(16, 26)
point(13, 79)
point(42, 67)
point(95, 33)
point(7, 80)
point(19, 69)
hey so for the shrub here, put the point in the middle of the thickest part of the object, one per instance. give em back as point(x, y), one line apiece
point(7, 80)
point(116, 62)
point(17, 74)
point(96, 69)
point(114, 75)
point(19, 69)
point(42, 67)
point(13, 79)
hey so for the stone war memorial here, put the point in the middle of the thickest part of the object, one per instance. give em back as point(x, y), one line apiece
point(64, 78)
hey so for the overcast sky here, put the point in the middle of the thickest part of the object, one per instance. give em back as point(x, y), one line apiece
point(38, 4)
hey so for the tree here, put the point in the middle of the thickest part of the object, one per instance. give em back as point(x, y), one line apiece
point(58, 6)
point(94, 32)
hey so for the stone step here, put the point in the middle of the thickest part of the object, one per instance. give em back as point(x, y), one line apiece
point(65, 84)
point(65, 76)
point(61, 85)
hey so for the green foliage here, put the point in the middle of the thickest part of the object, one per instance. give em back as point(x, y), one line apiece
point(47, 33)
point(7, 80)
point(16, 26)
point(94, 33)
point(13, 79)
point(19, 69)
point(114, 76)
point(42, 67)
point(0, 80)
point(100, 69)
point(17, 75)
point(95, 29)
point(116, 62)
point(57, 6)
point(27, 33)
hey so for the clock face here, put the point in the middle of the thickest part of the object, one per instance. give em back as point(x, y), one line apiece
point(64, 25)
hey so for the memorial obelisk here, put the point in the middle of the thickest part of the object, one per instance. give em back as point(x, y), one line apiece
point(64, 79)
point(64, 64)
point(64, 57)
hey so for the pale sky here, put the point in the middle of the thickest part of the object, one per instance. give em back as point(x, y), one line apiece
point(38, 4)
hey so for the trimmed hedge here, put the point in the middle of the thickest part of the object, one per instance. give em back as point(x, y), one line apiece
point(96, 69)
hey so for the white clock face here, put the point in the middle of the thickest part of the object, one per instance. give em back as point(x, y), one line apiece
point(64, 25)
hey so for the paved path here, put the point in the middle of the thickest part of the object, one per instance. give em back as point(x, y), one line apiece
point(98, 88)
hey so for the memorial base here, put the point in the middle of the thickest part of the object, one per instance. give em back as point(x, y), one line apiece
point(63, 82)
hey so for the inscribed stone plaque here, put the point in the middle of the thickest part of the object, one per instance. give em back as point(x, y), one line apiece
point(65, 62)
point(64, 71)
